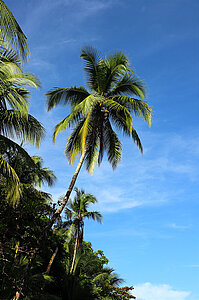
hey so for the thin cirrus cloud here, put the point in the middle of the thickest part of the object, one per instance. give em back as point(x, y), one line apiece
point(149, 291)
point(180, 227)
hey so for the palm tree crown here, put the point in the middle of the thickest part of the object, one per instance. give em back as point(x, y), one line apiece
point(114, 95)
point(76, 211)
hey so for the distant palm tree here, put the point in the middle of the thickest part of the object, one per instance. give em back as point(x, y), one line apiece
point(76, 211)
point(11, 34)
point(110, 101)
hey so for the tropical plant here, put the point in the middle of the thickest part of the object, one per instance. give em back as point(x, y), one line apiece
point(110, 101)
point(20, 227)
point(76, 211)
point(11, 34)
point(15, 122)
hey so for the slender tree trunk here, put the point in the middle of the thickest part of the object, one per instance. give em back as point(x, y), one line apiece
point(74, 253)
point(70, 188)
point(52, 221)
point(51, 261)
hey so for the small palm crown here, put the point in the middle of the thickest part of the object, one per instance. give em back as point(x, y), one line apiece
point(109, 102)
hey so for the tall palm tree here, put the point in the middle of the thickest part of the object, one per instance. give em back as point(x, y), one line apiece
point(11, 34)
point(109, 101)
point(76, 211)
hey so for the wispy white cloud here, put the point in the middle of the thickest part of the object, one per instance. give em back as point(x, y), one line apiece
point(180, 227)
point(149, 291)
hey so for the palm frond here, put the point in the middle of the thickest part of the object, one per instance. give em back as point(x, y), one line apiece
point(137, 140)
point(73, 95)
point(137, 107)
point(115, 67)
point(112, 145)
point(94, 215)
point(121, 111)
point(13, 187)
point(24, 79)
point(10, 55)
point(42, 175)
point(128, 85)
point(28, 169)
point(15, 125)
point(91, 59)
point(66, 123)
point(73, 146)
point(11, 33)
point(92, 154)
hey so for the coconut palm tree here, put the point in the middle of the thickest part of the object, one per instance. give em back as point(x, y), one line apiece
point(76, 211)
point(115, 94)
point(11, 34)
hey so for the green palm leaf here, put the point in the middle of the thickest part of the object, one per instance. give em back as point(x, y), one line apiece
point(15, 125)
point(91, 59)
point(137, 107)
point(13, 186)
point(113, 145)
point(73, 95)
point(10, 32)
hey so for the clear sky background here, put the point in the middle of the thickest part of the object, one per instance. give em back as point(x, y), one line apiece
point(150, 203)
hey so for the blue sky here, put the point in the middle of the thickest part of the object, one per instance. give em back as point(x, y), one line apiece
point(150, 202)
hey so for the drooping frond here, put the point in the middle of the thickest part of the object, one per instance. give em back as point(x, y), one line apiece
point(91, 158)
point(10, 56)
point(12, 82)
point(73, 146)
point(112, 144)
point(17, 99)
point(137, 107)
point(73, 95)
point(66, 123)
point(42, 175)
point(93, 140)
point(10, 32)
point(94, 215)
point(13, 188)
point(24, 79)
point(15, 125)
point(137, 140)
point(121, 111)
point(28, 169)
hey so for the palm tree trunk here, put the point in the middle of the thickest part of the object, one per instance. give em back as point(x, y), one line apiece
point(51, 261)
point(53, 219)
point(70, 188)
point(74, 253)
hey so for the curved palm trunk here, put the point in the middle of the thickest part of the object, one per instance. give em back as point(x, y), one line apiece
point(52, 221)
point(51, 261)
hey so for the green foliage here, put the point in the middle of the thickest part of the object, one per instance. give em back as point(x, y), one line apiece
point(15, 123)
point(11, 35)
point(110, 102)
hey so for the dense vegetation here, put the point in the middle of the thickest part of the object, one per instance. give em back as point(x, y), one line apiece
point(43, 254)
